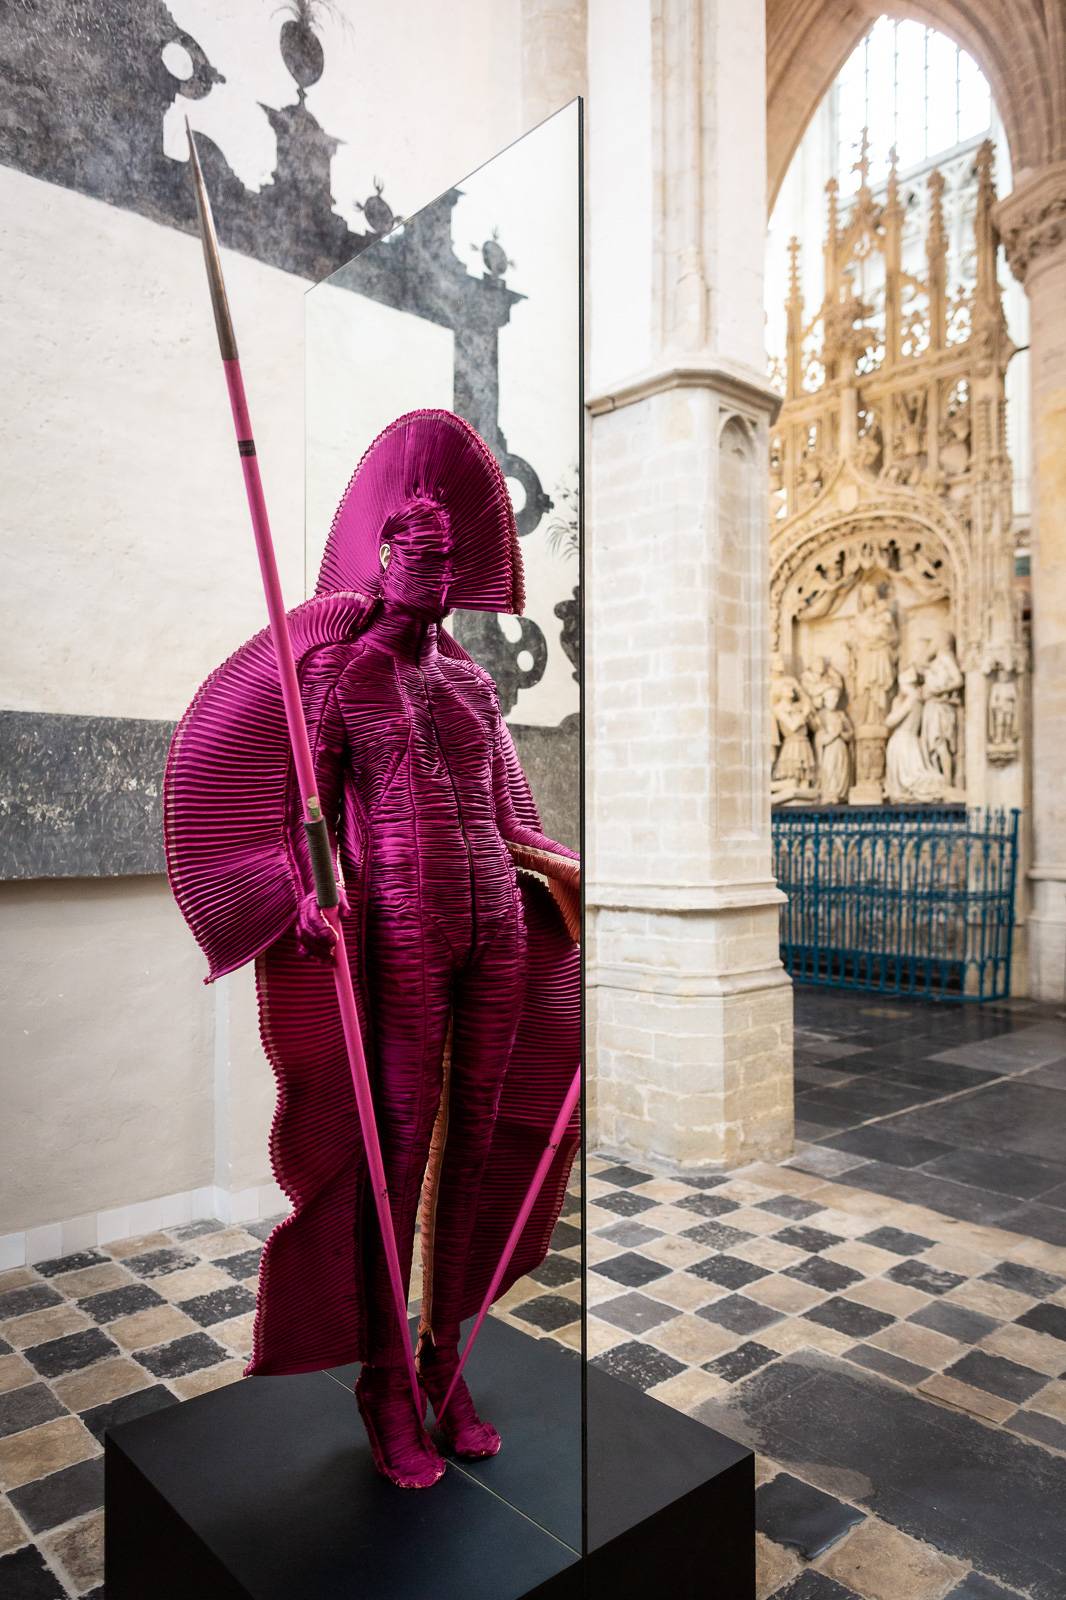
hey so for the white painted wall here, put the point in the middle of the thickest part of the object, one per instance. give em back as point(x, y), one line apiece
point(128, 572)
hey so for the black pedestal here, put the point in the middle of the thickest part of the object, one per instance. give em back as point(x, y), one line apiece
point(265, 1491)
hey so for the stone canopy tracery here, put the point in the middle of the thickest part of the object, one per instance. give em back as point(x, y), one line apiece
point(897, 659)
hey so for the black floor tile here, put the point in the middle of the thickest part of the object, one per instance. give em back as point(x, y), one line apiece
point(24, 1576)
point(792, 1513)
point(919, 1188)
point(624, 1203)
point(829, 1119)
point(898, 1241)
point(1021, 1176)
point(26, 1407)
point(639, 1364)
point(822, 1274)
point(156, 1263)
point(1024, 1280)
point(555, 1270)
point(702, 1180)
point(978, 1493)
point(219, 1305)
point(74, 1350)
point(730, 1271)
point(243, 1265)
point(1035, 1425)
point(715, 1235)
point(707, 1205)
point(1055, 1197)
point(974, 1587)
point(996, 1375)
point(1053, 1076)
point(635, 1312)
point(955, 1321)
point(1046, 1318)
point(803, 1237)
point(739, 1314)
point(261, 1230)
point(1007, 1115)
point(623, 1176)
point(878, 1143)
point(850, 1317)
point(122, 1302)
point(565, 1235)
point(48, 1502)
point(922, 1275)
point(789, 1205)
point(631, 1269)
point(819, 1077)
point(199, 1230)
point(870, 1096)
point(811, 1132)
point(890, 1366)
point(187, 1354)
point(740, 1363)
point(139, 1404)
point(72, 1263)
point(548, 1311)
point(31, 1297)
point(631, 1235)
point(1038, 1221)
point(945, 1076)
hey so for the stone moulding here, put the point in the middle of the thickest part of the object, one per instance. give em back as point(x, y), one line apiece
point(747, 389)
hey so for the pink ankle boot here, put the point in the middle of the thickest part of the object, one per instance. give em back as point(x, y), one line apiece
point(399, 1443)
point(461, 1428)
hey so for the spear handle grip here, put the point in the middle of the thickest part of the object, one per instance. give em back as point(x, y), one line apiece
point(322, 863)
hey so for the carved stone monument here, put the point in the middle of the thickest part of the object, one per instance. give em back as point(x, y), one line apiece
point(895, 623)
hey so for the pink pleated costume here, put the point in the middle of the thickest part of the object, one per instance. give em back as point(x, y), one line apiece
point(465, 965)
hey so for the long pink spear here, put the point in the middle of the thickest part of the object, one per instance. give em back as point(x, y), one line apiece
point(314, 823)
point(559, 1126)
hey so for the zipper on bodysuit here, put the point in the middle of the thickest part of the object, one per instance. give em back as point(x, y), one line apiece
point(458, 809)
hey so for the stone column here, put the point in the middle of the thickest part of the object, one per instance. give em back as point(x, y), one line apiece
point(1032, 222)
point(690, 1011)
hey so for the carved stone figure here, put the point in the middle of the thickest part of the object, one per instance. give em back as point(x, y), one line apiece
point(955, 443)
point(811, 476)
point(908, 774)
point(819, 678)
point(832, 740)
point(876, 653)
point(1003, 717)
point(794, 770)
point(783, 687)
point(942, 694)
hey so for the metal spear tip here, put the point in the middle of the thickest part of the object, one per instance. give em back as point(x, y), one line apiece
point(227, 339)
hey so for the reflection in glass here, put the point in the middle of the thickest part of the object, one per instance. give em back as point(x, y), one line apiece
point(472, 306)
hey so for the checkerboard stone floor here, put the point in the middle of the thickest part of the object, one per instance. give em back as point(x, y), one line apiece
point(883, 1317)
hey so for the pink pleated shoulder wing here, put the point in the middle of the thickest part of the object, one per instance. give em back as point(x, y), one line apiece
point(227, 791)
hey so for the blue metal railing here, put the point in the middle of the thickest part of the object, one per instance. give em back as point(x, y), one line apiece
point(902, 900)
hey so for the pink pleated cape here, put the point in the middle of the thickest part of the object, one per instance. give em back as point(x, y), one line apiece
point(233, 842)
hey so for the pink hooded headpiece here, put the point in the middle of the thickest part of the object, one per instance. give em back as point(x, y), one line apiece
point(431, 490)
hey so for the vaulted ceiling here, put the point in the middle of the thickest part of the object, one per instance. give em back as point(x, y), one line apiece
point(1020, 46)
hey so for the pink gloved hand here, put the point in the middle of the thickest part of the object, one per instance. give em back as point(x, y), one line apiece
point(315, 937)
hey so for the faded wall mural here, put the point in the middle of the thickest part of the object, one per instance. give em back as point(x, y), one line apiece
point(100, 92)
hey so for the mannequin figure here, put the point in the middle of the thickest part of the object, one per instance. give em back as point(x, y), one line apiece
point(457, 962)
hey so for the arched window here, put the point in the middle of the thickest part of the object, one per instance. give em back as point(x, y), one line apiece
point(911, 88)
